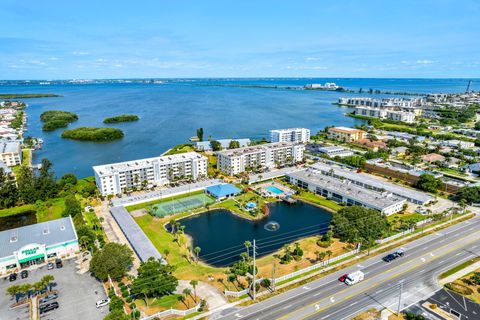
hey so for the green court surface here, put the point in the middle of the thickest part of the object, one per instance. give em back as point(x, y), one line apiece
point(180, 205)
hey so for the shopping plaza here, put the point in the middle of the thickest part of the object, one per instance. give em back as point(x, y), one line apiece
point(36, 244)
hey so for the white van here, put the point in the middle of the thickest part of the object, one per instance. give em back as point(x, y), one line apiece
point(354, 277)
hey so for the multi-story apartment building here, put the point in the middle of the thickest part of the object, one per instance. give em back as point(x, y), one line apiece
point(116, 178)
point(300, 135)
point(263, 156)
point(11, 153)
point(345, 134)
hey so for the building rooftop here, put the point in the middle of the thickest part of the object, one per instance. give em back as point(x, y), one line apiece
point(256, 148)
point(287, 129)
point(345, 129)
point(142, 246)
point(9, 146)
point(141, 163)
point(223, 142)
point(48, 233)
point(369, 197)
point(222, 190)
point(374, 181)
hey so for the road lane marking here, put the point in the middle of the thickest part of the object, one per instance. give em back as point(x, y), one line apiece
point(306, 288)
point(462, 244)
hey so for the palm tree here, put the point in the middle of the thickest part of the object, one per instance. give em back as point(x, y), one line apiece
point(166, 252)
point(173, 224)
point(38, 286)
point(244, 256)
point(26, 289)
point(328, 253)
point(47, 280)
point(194, 284)
point(187, 292)
point(181, 298)
point(197, 250)
point(247, 245)
point(14, 291)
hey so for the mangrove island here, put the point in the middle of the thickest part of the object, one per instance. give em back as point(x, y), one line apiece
point(93, 134)
point(121, 118)
point(55, 119)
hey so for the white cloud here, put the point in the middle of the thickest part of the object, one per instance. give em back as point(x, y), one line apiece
point(425, 61)
point(80, 53)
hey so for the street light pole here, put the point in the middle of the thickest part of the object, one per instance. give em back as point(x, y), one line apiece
point(254, 273)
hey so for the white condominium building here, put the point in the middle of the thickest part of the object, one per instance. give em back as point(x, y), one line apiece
point(290, 135)
point(10, 153)
point(269, 155)
point(115, 178)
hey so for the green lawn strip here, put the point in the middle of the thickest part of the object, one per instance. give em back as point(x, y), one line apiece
point(53, 212)
point(181, 148)
point(165, 302)
point(145, 204)
point(162, 240)
point(459, 267)
point(315, 199)
point(17, 210)
point(26, 157)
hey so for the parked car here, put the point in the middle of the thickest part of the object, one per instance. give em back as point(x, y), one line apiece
point(48, 307)
point(24, 274)
point(50, 297)
point(342, 278)
point(12, 277)
point(50, 266)
point(102, 303)
point(58, 263)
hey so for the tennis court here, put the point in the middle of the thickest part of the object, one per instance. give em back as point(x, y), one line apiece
point(180, 205)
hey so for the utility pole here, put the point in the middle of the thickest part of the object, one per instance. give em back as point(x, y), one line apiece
point(273, 276)
point(400, 298)
point(254, 249)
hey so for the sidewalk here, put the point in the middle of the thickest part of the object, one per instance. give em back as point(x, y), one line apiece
point(460, 273)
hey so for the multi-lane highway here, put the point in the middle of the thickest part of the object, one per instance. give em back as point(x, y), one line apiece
point(414, 275)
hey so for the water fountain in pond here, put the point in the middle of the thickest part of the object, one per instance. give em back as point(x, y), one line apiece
point(272, 226)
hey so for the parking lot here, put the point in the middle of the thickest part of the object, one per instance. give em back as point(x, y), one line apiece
point(76, 295)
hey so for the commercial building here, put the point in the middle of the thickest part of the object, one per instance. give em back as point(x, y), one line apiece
point(11, 153)
point(115, 178)
point(224, 143)
point(335, 151)
point(345, 134)
point(346, 191)
point(300, 135)
point(371, 182)
point(264, 156)
point(36, 244)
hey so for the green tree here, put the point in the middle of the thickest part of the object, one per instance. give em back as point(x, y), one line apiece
point(233, 144)
point(72, 206)
point(194, 284)
point(113, 259)
point(197, 250)
point(200, 134)
point(429, 183)
point(86, 235)
point(68, 179)
point(8, 191)
point(357, 224)
point(216, 146)
point(14, 291)
point(469, 194)
point(116, 314)
point(45, 184)
point(26, 185)
point(154, 279)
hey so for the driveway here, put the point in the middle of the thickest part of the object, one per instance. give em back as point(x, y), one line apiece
point(76, 295)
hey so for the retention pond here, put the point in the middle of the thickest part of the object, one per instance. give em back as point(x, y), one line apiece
point(221, 235)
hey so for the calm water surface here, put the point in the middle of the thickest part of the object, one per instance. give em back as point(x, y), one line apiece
point(171, 112)
point(221, 235)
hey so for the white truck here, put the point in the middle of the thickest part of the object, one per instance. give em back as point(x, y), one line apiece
point(354, 277)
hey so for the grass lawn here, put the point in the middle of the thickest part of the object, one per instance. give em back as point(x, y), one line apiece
point(181, 148)
point(26, 157)
point(318, 200)
point(166, 302)
point(16, 210)
point(178, 254)
point(238, 203)
point(51, 212)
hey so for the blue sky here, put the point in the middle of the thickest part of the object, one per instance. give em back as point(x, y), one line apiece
point(53, 39)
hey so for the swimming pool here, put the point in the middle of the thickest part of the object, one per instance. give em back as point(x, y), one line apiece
point(274, 189)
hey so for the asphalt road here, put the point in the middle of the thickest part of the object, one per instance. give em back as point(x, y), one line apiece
point(327, 298)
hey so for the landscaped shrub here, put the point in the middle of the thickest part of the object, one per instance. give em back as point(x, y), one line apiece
point(129, 299)
point(461, 289)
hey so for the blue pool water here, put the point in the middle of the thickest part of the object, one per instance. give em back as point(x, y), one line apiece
point(274, 190)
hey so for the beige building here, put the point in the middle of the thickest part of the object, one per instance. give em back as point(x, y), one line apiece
point(262, 156)
point(11, 153)
point(345, 134)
